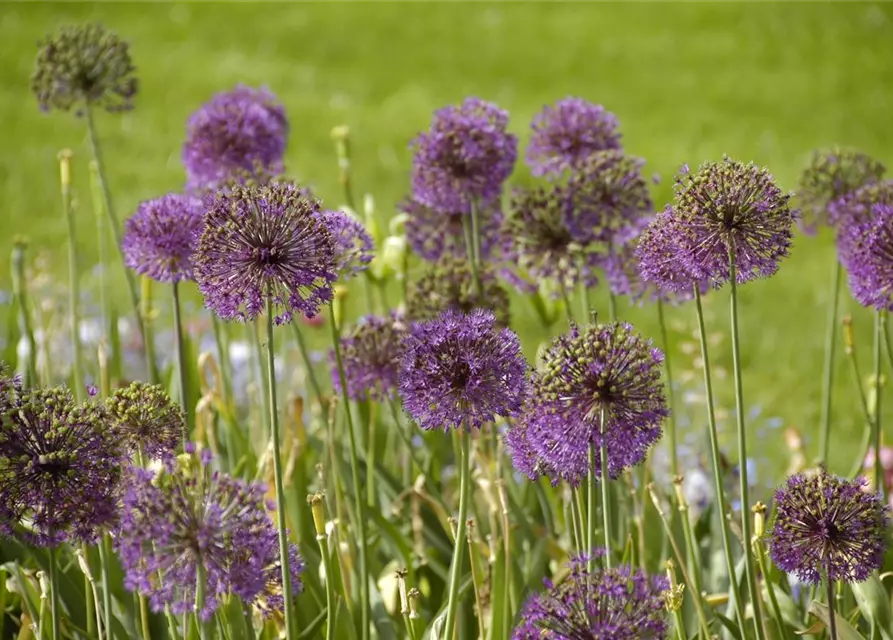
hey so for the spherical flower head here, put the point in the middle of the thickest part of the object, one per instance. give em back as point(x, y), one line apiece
point(160, 238)
point(851, 213)
point(868, 258)
point(59, 468)
point(660, 251)
point(82, 66)
point(238, 134)
point(434, 234)
point(354, 248)
point(828, 527)
point(146, 420)
point(449, 284)
point(464, 157)
point(264, 243)
point(620, 603)
point(371, 354)
point(520, 442)
point(189, 516)
point(566, 134)
point(592, 374)
point(461, 370)
point(729, 206)
point(832, 174)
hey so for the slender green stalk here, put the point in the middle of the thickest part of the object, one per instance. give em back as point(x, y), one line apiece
point(370, 461)
point(591, 508)
point(887, 341)
point(116, 230)
point(101, 241)
point(879, 483)
point(291, 629)
point(565, 297)
point(832, 623)
point(717, 472)
point(612, 307)
point(20, 292)
point(95, 626)
point(205, 629)
point(456, 565)
point(828, 370)
point(223, 356)
point(147, 313)
point(308, 364)
point(477, 582)
point(323, 541)
point(181, 363)
point(773, 599)
point(744, 485)
point(606, 498)
point(55, 604)
point(468, 230)
point(365, 608)
point(671, 423)
point(74, 289)
point(107, 589)
point(576, 531)
point(476, 239)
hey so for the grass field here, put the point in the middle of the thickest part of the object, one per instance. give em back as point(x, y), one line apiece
point(690, 82)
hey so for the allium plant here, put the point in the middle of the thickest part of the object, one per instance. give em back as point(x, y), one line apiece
point(84, 65)
point(567, 133)
point(354, 248)
point(661, 251)
point(160, 238)
point(59, 468)
point(868, 258)
point(621, 603)
point(832, 174)
point(461, 370)
point(828, 528)
point(146, 420)
point(188, 522)
point(371, 355)
point(265, 243)
point(850, 213)
point(464, 157)
point(434, 234)
point(239, 134)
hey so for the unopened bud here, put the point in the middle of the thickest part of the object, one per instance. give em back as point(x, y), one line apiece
point(759, 519)
point(340, 293)
point(673, 597)
point(65, 168)
point(682, 503)
point(318, 508)
point(414, 595)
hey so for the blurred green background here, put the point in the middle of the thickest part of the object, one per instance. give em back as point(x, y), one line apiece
point(690, 82)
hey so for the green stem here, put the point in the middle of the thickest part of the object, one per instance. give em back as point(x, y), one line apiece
point(476, 240)
point(205, 629)
point(74, 289)
point(456, 565)
point(744, 485)
point(90, 599)
point(468, 231)
point(828, 370)
point(606, 498)
point(591, 508)
point(291, 629)
point(773, 600)
point(879, 484)
point(887, 341)
point(308, 364)
point(717, 469)
point(577, 519)
point(365, 608)
point(20, 292)
point(107, 589)
point(370, 460)
point(181, 364)
point(612, 307)
point(116, 231)
point(223, 356)
point(55, 604)
point(330, 586)
point(101, 241)
point(671, 423)
point(832, 623)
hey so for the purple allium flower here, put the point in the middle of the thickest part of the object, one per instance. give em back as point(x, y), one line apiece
point(189, 516)
point(522, 449)
point(832, 174)
point(354, 248)
point(160, 238)
point(828, 527)
point(566, 134)
point(264, 243)
point(146, 419)
point(59, 468)
point(461, 370)
point(84, 65)
point(371, 355)
point(433, 234)
point(464, 157)
point(449, 284)
point(238, 134)
point(868, 258)
point(661, 255)
point(599, 369)
point(850, 213)
point(621, 603)
point(728, 205)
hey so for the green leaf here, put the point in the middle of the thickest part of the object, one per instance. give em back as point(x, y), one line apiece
point(498, 614)
point(874, 603)
point(845, 631)
point(344, 626)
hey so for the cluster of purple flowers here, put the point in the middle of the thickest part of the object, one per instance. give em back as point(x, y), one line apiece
point(371, 354)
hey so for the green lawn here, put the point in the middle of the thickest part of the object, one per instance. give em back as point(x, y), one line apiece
point(689, 82)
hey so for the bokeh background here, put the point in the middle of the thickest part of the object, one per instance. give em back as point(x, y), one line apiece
point(689, 82)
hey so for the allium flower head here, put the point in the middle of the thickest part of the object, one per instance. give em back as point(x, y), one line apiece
point(461, 370)
point(621, 603)
point(827, 526)
point(84, 65)
point(852, 213)
point(433, 234)
point(832, 174)
point(520, 441)
point(868, 258)
point(190, 516)
point(464, 157)
point(450, 285)
point(238, 134)
point(264, 243)
point(146, 419)
point(371, 355)
point(354, 248)
point(728, 205)
point(599, 369)
point(661, 255)
point(59, 468)
point(160, 238)
point(566, 134)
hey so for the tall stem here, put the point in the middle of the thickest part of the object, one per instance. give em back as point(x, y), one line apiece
point(832, 623)
point(116, 230)
point(365, 608)
point(181, 363)
point(204, 627)
point(828, 371)
point(879, 484)
point(291, 629)
point(456, 565)
point(671, 423)
point(55, 604)
point(468, 229)
point(744, 485)
point(717, 469)
point(107, 590)
point(612, 307)
point(606, 498)
point(74, 293)
point(20, 293)
point(591, 503)
point(308, 364)
point(577, 520)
